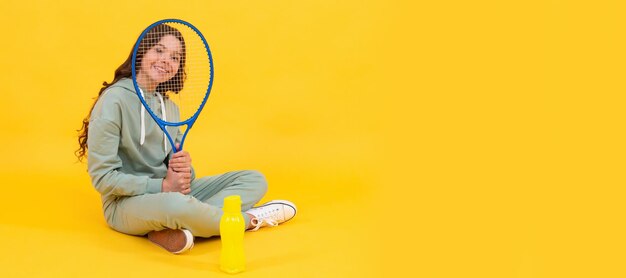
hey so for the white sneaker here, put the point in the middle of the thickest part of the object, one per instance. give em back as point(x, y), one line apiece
point(272, 213)
point(174, 241)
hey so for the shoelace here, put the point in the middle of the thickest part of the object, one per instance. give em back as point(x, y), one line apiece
point(260, 222)
point(270, 218)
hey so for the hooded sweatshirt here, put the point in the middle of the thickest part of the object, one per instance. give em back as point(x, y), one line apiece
point(119, 163)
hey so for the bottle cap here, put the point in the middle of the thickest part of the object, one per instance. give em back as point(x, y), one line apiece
point(232, 204)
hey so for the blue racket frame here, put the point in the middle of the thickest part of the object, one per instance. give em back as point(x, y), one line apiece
point(162, 124)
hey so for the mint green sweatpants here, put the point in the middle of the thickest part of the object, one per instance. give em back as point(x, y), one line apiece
point(199, 212)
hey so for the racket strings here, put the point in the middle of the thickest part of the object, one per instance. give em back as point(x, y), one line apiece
point(184, 90)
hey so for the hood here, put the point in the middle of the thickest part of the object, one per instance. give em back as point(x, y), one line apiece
point(127, 84)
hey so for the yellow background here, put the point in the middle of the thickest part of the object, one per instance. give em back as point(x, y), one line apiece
point(418, 138)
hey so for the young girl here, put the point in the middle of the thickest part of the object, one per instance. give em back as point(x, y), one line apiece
point(147, 190)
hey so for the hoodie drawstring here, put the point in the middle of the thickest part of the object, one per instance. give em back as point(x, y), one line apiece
point(143, 121)
point(164, 118)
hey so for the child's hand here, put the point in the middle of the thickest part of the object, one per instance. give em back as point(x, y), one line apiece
point(177, 182)
point(180, 161)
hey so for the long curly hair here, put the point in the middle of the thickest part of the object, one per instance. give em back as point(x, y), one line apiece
point(175, 84)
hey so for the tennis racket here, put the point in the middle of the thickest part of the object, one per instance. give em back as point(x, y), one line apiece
point(172, 71)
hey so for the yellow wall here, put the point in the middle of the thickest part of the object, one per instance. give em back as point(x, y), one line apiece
point(483, 138)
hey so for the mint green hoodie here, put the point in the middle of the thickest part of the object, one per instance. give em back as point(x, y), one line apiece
point(118, 163)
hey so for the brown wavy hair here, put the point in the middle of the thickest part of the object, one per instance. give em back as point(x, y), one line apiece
point(175, 84)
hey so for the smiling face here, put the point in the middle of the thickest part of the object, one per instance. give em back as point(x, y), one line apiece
point(160, 63)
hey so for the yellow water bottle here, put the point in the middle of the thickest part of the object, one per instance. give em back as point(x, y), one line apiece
point(232, 227)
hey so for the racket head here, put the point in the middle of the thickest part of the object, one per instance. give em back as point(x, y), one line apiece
point(184, 84)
